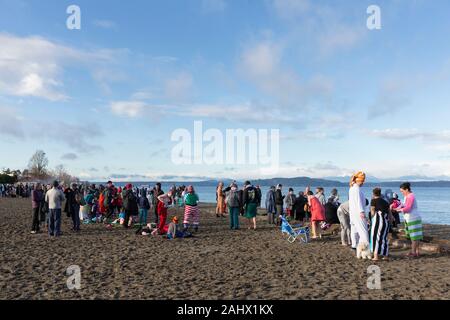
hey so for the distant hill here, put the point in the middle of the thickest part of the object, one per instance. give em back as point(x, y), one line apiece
point(303, 181)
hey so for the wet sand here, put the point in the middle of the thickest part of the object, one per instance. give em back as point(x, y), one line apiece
point(216, 264)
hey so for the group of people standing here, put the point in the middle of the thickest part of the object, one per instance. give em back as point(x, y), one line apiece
point(306, 206)
point(15, 190)
point(372, 230)
point(103, 204)
point(244, 201)
point(358, 228)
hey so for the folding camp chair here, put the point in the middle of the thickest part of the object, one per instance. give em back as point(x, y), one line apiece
point(294, 232)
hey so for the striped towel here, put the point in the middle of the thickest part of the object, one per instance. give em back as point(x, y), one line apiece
point(191, 215)
point(414, 230)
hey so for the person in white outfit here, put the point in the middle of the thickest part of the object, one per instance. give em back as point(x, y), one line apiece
point(357, 211)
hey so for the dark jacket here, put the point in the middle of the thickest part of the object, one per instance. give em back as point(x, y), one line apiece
point(71, 207)
point(37, 197)
point(331, 213)
point(259, 194)
point(130, 202)
point(251, 195)
point(241, 201)
point(143, 203)
point(299, 205)
point(279, 198)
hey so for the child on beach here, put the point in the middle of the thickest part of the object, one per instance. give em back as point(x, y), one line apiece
point(191, 211)
point(395, 204)
point(174, 231)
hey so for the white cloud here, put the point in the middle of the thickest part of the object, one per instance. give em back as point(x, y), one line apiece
point(34, 66)
point(407, 134)
point(262, 64)
point(247, 112)
point(290, 9)
point(130, 109)
point(179, 87)
point(397, 134)
point(143, 95)
point(339, 37)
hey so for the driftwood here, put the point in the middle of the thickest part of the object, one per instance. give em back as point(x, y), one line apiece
point(426, 247)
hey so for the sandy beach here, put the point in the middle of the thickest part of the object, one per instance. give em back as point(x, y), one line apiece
point(216, 264)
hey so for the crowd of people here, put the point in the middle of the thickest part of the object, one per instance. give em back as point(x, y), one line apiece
point(15, 190)
point(365, 232)
point(361, 229)
point(111, 205)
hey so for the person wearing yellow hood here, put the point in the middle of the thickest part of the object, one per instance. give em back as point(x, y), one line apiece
point(357, 211)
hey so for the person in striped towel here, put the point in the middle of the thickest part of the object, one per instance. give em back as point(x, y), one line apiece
point(191, 211)
point(379, 227)
point(413, 220)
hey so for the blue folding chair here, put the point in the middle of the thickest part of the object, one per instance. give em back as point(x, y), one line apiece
point(294, 232)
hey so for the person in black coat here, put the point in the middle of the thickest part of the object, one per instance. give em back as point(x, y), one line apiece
point(299, 206)
point(72, 205)
point(279, 201)
point(130, 205)
point(331, 212)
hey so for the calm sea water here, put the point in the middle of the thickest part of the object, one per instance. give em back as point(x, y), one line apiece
point(434, 203)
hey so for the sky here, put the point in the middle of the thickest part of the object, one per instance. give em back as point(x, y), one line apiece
point(105, 100)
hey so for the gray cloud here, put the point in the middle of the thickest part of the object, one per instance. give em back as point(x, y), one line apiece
point(11, 123)
point(75, 136)
point(69, 156)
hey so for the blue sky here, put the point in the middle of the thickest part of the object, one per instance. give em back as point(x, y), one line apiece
point(103, 101)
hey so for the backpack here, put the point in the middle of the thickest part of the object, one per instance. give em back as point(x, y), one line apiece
point(233, 199)
point(131, 201)
point(252, 195)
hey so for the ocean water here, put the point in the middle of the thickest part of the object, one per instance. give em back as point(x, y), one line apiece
point(433, 203)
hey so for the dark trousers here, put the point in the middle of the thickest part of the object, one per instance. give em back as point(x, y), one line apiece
point(155, 208)
point(127, 218)
point(42, 212)
point(54, 222)
point(36, 222)
point(278, 213)
point(76, 217)
point(110, 211)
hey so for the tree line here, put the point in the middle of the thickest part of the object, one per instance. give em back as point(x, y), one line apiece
point(37, 170)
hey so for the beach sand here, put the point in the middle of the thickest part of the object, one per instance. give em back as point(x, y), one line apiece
point(216, 264)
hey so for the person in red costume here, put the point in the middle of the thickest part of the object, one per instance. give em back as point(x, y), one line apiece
point(164, 201)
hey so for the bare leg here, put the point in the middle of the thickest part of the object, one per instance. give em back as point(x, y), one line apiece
point(415, 247)
point(313, 225)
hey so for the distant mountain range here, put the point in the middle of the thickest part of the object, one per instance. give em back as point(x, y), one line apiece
point(412, 178)
point(417, 181)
